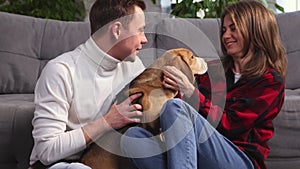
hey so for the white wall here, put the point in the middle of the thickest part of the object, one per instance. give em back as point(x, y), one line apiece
point(289, 5)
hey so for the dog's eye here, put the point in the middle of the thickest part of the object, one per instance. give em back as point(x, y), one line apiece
point(192, 56)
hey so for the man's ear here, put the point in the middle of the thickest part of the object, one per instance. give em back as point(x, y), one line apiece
point(116, 29)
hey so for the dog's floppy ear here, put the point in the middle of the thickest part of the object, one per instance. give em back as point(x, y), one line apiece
point(178, 60)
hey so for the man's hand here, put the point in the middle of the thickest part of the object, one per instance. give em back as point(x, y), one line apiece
point(124, 113)
point(118, 116)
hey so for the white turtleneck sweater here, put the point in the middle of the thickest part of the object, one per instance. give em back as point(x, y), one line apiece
point(74, 89)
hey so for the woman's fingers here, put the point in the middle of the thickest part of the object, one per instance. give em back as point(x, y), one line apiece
point(170, 84)
point(176, 80)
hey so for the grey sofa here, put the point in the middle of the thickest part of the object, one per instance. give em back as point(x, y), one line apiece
point(27, 43)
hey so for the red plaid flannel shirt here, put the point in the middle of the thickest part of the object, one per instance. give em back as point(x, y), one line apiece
point(241, 111)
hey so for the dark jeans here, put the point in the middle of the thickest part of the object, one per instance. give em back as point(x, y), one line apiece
point(190, 143)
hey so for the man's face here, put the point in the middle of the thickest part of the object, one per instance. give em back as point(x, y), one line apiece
point(132, 37)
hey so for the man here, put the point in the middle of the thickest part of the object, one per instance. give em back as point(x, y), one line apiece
point(75, 92)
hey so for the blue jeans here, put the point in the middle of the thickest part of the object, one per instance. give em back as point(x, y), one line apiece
point(190, 142)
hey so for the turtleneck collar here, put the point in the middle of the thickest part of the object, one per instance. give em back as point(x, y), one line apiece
point(99, 57)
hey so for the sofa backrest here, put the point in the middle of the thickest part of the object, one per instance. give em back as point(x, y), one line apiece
point(289, 28)
point(27, 43)
point(199, 35)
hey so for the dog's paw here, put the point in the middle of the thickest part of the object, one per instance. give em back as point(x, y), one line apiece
point(161, 136)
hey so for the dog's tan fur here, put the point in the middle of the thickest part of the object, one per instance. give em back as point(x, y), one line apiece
point(149, 83)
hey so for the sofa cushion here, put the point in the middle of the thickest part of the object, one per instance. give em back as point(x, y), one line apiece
point(60, 37)
point(28, 43)
point(283, 163)
point(289, 26)
point(199, 35)
point(285, 143)
point(16, 113)
point(19, 47)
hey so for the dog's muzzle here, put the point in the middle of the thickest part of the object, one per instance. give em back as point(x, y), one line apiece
point(203, 65)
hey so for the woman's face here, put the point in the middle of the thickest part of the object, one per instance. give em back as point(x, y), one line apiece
point(233, 42)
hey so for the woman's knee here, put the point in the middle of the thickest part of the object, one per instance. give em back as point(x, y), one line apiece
point(137, 136)
point(64, 165)
point(171, 106)
point(132, 133)
point(78, 166)
point(137, 132)
point(172, 109)
point(174, 103)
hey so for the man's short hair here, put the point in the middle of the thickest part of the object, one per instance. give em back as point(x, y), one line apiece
point(106, 11)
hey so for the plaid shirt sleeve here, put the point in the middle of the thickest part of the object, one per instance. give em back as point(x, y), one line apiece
point(242, 111)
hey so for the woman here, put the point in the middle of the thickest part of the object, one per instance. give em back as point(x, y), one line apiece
point(255, 67)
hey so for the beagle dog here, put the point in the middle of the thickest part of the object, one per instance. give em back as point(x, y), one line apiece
point(154, 96)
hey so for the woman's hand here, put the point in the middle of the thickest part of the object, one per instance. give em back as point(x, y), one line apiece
point(174, 79)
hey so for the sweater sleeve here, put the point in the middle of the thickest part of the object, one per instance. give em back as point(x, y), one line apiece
point(53, 95)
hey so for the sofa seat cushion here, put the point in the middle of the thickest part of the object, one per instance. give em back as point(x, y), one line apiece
point(283, 163)
point(285, 142)
point(16, 113)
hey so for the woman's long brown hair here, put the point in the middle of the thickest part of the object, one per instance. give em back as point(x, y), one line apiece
point(258, 27)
